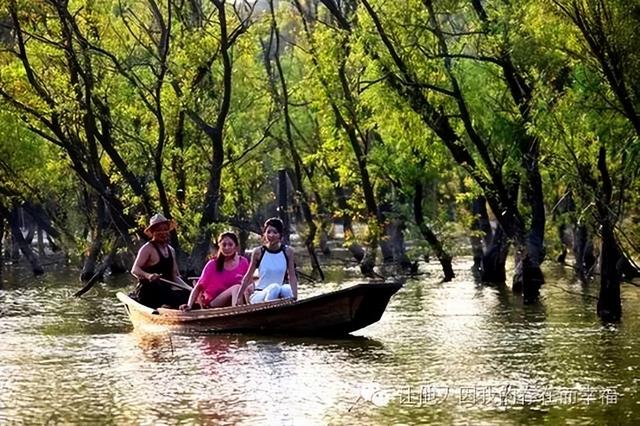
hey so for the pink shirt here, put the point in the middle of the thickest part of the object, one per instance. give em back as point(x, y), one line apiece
point(214, 282)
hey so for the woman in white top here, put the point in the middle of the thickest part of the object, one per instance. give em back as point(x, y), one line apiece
point(274, 261)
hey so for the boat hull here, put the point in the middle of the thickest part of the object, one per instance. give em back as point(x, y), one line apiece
point(336, 313)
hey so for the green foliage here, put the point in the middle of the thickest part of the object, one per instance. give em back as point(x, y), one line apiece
point(329, 72)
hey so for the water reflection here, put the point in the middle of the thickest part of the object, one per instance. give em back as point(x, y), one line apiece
point(155, 347)
point(458, 336)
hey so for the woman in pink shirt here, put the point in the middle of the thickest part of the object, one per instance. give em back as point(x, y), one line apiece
point(221, 276)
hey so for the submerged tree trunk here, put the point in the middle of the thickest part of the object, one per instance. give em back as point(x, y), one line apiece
point(585, 258)
point(369, 261)
point(563, 212)
point(532, 277)
point(40, 236)
point(386, 243)
point(564, 242)
point(42, 219)
point(527, 277)
point(323, 237)
point(20, 242)
point(482, 226)
point(395, 233)
point(495, 246)
point(354, 248)
point(29, 226)
point(609, 304)
point(494, 258)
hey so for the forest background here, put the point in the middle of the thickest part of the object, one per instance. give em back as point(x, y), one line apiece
point(512, 123)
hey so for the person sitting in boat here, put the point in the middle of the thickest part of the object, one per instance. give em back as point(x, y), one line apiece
point(274, 262)
point(156, 264)
point(221, 276)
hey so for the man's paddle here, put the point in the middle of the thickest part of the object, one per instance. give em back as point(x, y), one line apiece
point(176, 284)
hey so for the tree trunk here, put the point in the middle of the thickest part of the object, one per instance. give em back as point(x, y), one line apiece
point(386, 243)
point(532, 277)
point(395, 233)
point(609, 305)
point(354, 248)
point(315, 263)
point(6, 241)
point(14, 254)
point(349, 123)
point(527, 277)
point(243, 239)
point(88, 267)
point(562, 232)
point(583, 253)
point(121, 262)
point(323, 238)
point(177, 162)
point(210, 214)
point(40, 235)
point(494, 258)
point(214, 132)
point(29, 226)
point(443, 256)
point(626, 268)
point(481, 225)
point(21, 243)
point(563, 213)
point(369, 261)
point(283, 204)
point(41, 218)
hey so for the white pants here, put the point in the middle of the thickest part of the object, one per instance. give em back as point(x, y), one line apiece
point(271, 292)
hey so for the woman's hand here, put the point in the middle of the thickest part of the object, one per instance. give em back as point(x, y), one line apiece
point(185, 307)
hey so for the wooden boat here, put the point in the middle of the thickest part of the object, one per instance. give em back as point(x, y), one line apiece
point(335, 313)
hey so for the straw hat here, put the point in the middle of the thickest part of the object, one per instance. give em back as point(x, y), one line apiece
point(156, 220)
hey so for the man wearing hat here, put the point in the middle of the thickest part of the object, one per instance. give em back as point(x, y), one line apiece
point(155, 265)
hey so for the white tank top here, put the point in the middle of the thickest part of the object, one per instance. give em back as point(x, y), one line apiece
point(272, 268)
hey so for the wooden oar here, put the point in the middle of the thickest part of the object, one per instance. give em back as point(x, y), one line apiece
point(176, 284)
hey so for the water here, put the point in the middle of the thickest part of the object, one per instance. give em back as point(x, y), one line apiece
point(446, 353)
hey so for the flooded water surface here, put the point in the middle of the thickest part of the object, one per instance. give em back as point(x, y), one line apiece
point(446, 353)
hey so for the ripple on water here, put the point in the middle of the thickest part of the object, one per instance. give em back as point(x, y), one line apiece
point(76, 361)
